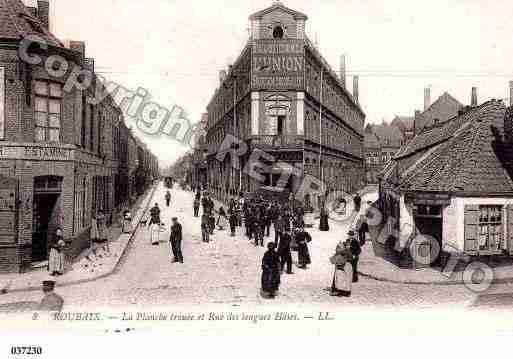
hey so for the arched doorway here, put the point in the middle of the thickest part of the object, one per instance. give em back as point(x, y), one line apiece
point(46, 214)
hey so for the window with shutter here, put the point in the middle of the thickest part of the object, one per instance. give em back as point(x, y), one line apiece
point(471, 228)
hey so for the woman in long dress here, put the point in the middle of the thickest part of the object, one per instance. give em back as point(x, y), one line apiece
point(127, 222)
point(343, 274)
point(154, 229)
point(222, 221)
point(302, 240)
point(56, 258)
point(271, 271)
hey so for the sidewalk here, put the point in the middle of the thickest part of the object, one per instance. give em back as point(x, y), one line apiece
point(83, 270)
point(383, 264)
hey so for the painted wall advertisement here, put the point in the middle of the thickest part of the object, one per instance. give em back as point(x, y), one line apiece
point(278, 64)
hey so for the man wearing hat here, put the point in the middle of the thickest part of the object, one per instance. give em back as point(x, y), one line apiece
point(356, 250)
point(51, 302)
point(175, 240)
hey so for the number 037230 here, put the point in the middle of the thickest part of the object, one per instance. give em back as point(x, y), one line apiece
point(26, 350)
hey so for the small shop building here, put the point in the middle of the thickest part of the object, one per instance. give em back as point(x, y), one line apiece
point(453, 183)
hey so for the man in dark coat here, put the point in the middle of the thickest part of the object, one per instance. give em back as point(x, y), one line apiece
point(302, 240)
point(258, 228)
point(233, 223)
point(168, 198)
point(155, 214)
point(205, 228)
point(324, 224)
point(270, 271)
point(196, 206)
point(284, 251)
point(175, 240)
point(357, 202)
point(356, 250)
point(363, 229)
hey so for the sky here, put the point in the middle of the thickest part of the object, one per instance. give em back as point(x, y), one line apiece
point(175, 49)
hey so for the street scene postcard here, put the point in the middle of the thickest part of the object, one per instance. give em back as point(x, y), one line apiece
point(254, 168)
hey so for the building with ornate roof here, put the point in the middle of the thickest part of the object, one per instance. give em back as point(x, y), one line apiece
point(452, 186)
point(272, 99)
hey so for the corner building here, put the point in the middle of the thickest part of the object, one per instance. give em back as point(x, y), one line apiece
point(62, 158)
point(272, 99)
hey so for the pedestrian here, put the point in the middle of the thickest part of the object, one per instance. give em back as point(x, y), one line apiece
point(270, 272)
point(356, 250)
point(343, 273)
point(357, 202)
point(127, 222)
point(196, 206)
point(168, 198)
point(267, 219)
point(154, 229)
point(363, 229)
point(205, 228)
point(233, 223)
point(222, 221)
point(324, 225)
point(155, 214)
point(175, 240)
point(211, 221)
point(56, 257)
point(284, 251)
point(302, 240)
point(258, 229)
point(51, 301)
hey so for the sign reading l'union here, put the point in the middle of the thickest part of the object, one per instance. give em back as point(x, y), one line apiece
point(278, 64)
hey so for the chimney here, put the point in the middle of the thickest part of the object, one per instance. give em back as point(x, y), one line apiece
point(78, 46)
point(355, 88)
point(222, 76)
point(511, 93)
point(43, 13)
point(415, 122)
point(473, 99)
point(343, 70)
point(32, 10)
point(427, 98)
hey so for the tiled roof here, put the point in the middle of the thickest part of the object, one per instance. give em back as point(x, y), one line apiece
point(404, 123)
point(16, 22)
point(443, 109)
point(371, 141)
point(388, 135)
point(467, 155)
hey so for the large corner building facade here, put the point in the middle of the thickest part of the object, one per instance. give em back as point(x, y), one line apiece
point(62, 158)
point(281, 97)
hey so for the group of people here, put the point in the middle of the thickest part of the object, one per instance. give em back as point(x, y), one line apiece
point(175, 238)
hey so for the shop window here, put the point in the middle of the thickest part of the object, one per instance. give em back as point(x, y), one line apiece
point(490, 228)
point(47, 111)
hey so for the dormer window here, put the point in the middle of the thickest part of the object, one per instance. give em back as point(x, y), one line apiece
point(278, 32)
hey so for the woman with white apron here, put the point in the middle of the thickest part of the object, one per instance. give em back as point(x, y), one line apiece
point(154, 229)
point(343, 274)
point(127, 222)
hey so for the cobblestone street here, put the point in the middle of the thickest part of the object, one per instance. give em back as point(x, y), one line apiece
point(227, 271)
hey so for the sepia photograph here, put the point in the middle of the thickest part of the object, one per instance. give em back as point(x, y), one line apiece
point(337, 168)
